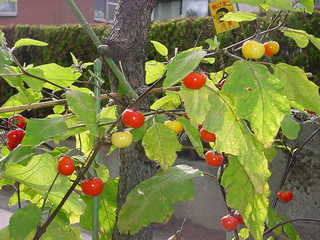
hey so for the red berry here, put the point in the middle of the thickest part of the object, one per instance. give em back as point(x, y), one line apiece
point(214, 159)
point(194, 80)
point(14, 138)
point(17, 121)
point(229, 223)
point(238, 216)
point(11, 146)
point(207, 136)
point(92, 186)
point(311, 112)
point(132, 118)
point(285, 196)
point(65, 166)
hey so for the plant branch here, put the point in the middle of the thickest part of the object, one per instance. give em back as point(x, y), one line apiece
point(34, 76)
point(292, 160)
point(42, 229)
point(48, 192)
point(87, 27)
point(317, 220)
point(18, 194)
point(45, 104)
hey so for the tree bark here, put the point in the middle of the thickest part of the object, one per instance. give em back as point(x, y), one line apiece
point(127, 43)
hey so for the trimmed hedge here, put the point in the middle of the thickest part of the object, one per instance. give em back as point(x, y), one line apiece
point(180, 33)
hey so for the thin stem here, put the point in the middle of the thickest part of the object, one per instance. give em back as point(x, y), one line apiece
point(87, 27)
point(292, 160)
point(11, 74)
point(43, 104)
point(34, 76)
point(18, 194)
point(48, 192)
point(97, 93)
point(42, 229)
point(317, 220)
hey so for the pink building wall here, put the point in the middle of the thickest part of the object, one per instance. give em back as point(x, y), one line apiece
point(48, 12)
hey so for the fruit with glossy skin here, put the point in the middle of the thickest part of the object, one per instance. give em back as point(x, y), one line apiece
point(194, 80)
point(253, 50)
point(271, 48)
point(132, 118)
point(207, 136)
point(14, 138)
point(174, 125)
point(238, 216)
point(121, 139)
point(65, 166)
point(92, 187)
point(214, 159)
point(17, 121)
point(229, 223)
point(285, 196)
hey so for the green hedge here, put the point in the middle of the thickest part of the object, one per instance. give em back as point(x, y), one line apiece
point(180, 33)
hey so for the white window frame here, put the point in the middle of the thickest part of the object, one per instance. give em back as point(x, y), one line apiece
point(108, 3)
point(10, 14)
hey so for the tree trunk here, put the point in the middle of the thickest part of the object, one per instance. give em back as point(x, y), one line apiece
point(127, 43)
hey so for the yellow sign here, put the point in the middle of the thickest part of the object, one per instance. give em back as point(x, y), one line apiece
point(218, 9)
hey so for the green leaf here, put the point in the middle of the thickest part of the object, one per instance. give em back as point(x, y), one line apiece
point(107, 209)
point(233, 137)
point(84, 106)
point(162, 49)
point(168, 102)
point(85, 142)
point(63, 76)
point(315, 41)
point(38, 174)
point(74, 59)
point(193, 134)
point(308, 4)
point(290, 127)
point(299, 36)
point(153, 199)
point(154, 71)
point(164, 149)
point(183, 64)
point(24, 97)
point(19, 154)
point(252, 205)
point(61, 232)
point(196, 103)
point(40, 130)
point(208, 60)
point(259, 98)
point(244, 233)
point(274, 219)
point(29, 42)
point(59, 109)
point(24, 221)
point(297, 86)
point(213, 43)
point(239, 16)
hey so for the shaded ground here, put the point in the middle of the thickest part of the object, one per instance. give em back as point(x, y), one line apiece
point(161, 231)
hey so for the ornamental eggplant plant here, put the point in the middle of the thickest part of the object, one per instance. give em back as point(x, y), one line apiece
point(243, 115)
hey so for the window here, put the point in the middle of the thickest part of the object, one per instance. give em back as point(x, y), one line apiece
point(166, 10)
point(191, 8)
point(105, 10)
point(8, 8)
point(317, 4)
point(111, 10)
